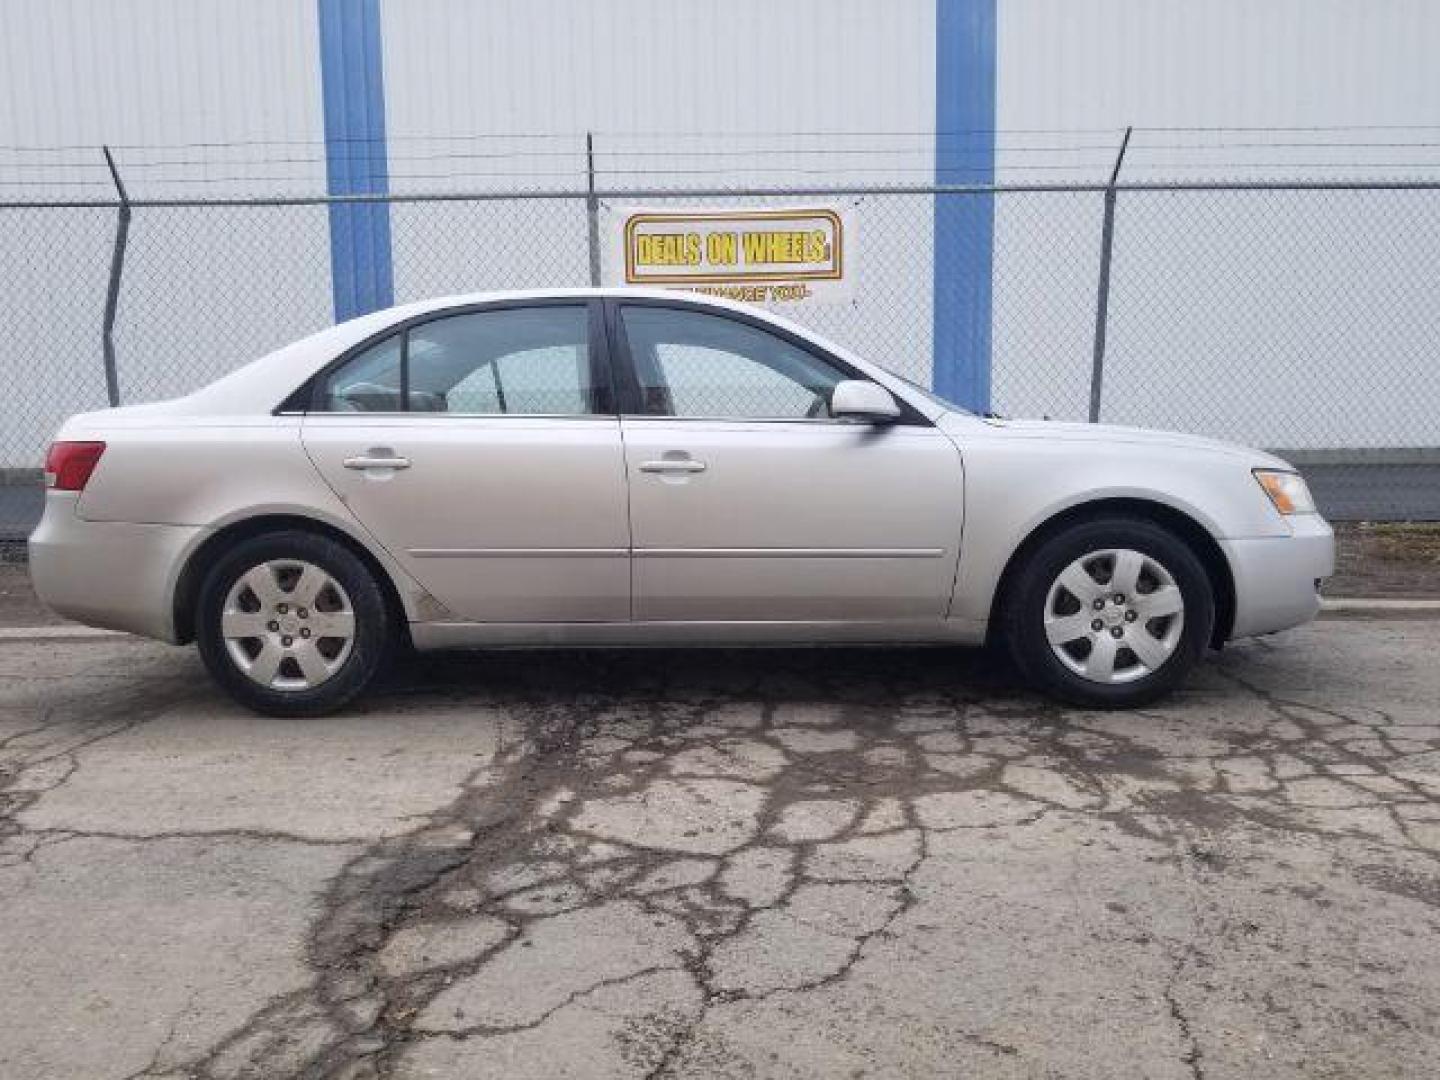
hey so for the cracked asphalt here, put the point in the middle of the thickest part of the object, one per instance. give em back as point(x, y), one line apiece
point(837, 863)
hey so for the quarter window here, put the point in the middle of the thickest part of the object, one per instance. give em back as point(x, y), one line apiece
point(533, 361)
point(695, 364)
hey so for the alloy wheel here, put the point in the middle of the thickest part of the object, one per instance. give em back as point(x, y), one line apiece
point(288, 624)
point(1114, 616)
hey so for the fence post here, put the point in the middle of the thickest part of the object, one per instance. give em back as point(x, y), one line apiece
point(112, 292)
point(1102, 299)
point(592, 209)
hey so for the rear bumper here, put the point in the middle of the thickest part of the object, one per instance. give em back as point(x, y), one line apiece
point(115, 575)
point(1277, 578)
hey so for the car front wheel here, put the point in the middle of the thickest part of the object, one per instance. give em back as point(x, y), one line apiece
point(292, 624)
point(1109, 613)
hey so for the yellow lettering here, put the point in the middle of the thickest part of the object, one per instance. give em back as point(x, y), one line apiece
point(667, 249)
point(784, 247)
point(720, 249)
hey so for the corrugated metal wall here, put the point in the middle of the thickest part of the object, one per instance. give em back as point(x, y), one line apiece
point(198, 98)
point(748, 92)
point(1236, 63)
point(1222, 302)
point(212, 97)
point(202, 76)
point(521, 67)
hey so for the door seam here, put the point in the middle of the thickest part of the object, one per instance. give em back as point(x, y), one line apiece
point(629, 515)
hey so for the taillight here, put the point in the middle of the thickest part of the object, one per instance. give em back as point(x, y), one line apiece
point(68, 465)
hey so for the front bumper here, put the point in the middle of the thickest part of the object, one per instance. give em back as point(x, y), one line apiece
point(1277, 578)
point(115, 575)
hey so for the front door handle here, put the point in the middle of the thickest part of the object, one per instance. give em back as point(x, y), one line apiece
point(673, 465)
point(366, 461)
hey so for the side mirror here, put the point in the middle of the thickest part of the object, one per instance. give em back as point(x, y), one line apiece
point(857, 399)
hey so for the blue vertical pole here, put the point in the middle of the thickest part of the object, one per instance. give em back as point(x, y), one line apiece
point(356, 157)
point(964, 224)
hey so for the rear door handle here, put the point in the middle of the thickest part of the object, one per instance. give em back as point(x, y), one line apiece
point(673, 465)
point(365, 461)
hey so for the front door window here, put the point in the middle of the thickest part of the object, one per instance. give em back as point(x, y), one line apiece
point(695, 364)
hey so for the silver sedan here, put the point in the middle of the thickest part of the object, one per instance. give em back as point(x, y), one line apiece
point(606, 467)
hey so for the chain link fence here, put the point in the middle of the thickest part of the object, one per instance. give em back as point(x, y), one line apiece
point(1298, 318)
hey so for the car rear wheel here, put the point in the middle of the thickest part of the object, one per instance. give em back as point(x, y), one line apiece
point(292, 624)
point(1109, 612)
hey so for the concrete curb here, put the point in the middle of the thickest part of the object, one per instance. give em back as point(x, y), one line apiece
point(1336, 606)
point(1375, 606)
point(57, 633)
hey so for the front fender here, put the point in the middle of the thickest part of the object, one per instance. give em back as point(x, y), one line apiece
point(1014, 485)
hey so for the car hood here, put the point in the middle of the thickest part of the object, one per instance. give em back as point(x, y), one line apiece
point(1109, 434)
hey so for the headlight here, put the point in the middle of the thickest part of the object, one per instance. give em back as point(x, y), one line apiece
point(1287, 491)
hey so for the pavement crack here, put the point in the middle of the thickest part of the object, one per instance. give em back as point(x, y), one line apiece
point(1192, 1056)
point(664, 847)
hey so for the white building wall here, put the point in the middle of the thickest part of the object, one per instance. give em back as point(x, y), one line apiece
point(157, 73)
point(522, 67)
point(1280, 319)
point(1233, 63)
point(713, 94)
point(1221, 307)
point(198, 98)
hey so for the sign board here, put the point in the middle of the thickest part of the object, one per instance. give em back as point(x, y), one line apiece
point(761, 256)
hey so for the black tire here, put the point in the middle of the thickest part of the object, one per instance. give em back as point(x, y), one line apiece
point(1024, 611)
point(372, 641)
